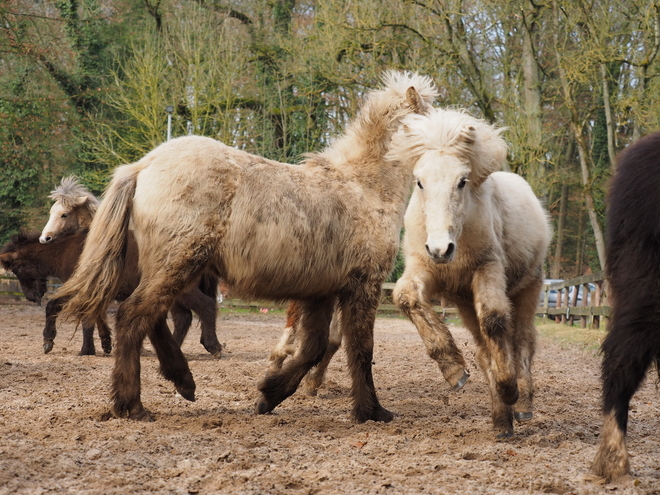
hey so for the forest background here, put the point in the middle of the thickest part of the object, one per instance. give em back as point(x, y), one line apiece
point(84, 87)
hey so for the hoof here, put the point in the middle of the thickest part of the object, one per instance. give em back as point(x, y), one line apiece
point(48, 346)
point(263, 406)
point(137, 413)
point(523, 416)
point(459, 385)
point(380, 414)
point(186, 391)
point(504, 435)
point(214, 350)
point(87, 352)
point(107, 346)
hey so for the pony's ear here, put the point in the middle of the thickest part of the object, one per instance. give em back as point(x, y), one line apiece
point(80, 200)
point(469, 135)
point(415, 100)
point(488, 152)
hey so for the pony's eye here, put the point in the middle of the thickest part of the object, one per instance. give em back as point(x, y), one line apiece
point(419, 184)
point(64, 215)
point(462, 182)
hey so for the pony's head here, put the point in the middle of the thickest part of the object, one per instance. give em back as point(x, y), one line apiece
point(73, 209)
point(13, 258)
point(452, 154)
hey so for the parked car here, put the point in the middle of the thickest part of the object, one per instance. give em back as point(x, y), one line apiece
point(552, 294)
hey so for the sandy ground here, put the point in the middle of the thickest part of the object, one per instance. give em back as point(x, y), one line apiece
point(52, 439)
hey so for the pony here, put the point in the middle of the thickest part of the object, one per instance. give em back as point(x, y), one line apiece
point(632, 343)
point(322, 232)
point(477, 238)
point(32, 262)
point(73, 209)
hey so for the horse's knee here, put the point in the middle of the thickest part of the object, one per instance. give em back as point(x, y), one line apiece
point(406, 295)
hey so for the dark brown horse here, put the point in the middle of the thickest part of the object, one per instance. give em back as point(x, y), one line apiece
point(32, 262)
point(632, 344)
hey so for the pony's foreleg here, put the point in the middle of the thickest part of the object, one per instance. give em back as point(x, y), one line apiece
point(501, 413)
point(627, 355)
point(312, 337)
point(87, 348)
point(314, 379)
point(358, 314)
point(494, 312)
point(524, 345)
point(53, 309)
point(411, 295)
point(206, 309)
point(173, 364)
point(104, 335)
point(286, 345)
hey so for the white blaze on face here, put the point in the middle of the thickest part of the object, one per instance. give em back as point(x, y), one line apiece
point(58, 221)
point(441, 183)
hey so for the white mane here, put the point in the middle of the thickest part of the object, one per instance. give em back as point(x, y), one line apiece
point(453, 131)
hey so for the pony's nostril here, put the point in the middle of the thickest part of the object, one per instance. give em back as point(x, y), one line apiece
point(450, 249)
point(428, 251)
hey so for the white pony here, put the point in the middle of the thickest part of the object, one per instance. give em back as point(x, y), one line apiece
point(476, 238)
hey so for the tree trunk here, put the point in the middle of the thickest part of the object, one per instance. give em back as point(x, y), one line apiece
point(561, 221)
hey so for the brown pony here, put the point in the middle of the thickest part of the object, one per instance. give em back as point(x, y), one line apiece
point(321, 232)
point(33, 262)
point(632, 344)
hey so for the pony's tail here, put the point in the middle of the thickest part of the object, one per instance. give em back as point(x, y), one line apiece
point(95, 281)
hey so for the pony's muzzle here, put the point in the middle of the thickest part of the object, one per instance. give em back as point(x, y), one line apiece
point(441, 255)
point(45, 239)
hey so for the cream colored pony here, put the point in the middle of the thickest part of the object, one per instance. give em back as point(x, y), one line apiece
point(324, 231)
point(73, 209)
point(476, 238)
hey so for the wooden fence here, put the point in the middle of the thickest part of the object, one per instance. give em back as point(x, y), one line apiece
point(567, 308)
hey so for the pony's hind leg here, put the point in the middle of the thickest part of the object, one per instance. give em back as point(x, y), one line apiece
point(494, 312)
point(358, 314)
point(312, 338)
point(501, 413)
point(173, 364)
point(104, 335)
point(206, 310)
point(524, 345)
point(627, 355)
point(412, 295)
point(53, 309)
point(182, 318)
point(314, 379)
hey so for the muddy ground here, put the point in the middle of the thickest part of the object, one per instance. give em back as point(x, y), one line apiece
point(52, 439)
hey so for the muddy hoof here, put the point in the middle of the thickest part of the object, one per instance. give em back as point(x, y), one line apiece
point(523, 416)
point(214, 350)
point(504, 435)
point(459, 385)
point(186, 391)
point(48, 346)
point(263, 406)
point(380, 414)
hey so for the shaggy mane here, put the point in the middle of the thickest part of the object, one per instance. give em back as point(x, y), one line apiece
point(70, 190)
point(455, 131)
point(367, 137)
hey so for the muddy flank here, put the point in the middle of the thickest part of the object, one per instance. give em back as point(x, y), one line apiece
point(52, 439)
